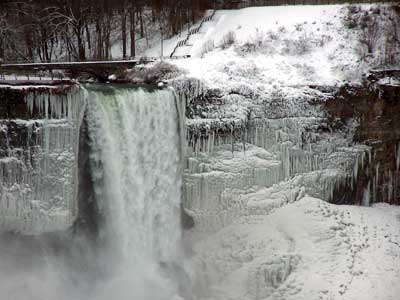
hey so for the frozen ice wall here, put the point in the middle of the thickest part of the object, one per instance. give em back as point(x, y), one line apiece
point(38, 164)
point(230, 158)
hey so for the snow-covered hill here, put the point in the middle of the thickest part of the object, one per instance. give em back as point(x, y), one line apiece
point(288, 45)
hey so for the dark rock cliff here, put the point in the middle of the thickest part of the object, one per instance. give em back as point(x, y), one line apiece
point(376, 107)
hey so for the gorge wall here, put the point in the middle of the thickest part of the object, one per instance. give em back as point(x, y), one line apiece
point(39, 159)
point(376, 107)
point(340, 144)
point(345, 140)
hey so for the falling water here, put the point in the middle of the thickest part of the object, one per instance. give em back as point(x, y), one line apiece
point(135, 157)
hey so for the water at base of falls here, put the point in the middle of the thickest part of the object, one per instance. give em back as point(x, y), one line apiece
point(135, 167)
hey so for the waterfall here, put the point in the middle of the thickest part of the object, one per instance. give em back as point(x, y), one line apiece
point(135, 162)
point(133, 147)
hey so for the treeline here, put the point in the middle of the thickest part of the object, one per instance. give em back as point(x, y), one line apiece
point(234, 4)
point(45, 30)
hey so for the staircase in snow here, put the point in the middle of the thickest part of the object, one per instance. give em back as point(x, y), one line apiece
point(191, 32)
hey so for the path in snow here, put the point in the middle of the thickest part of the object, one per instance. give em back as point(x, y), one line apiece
point(308, 249)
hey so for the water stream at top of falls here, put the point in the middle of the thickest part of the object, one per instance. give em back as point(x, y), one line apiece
point(135, 164)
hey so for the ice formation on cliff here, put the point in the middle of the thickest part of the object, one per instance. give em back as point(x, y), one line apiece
point(39, 173)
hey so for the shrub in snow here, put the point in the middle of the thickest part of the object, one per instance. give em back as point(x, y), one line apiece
point(243, 89)
point(303, 45)
point(228, 39)
point(350, 20)
point(161, 71)
point(191, 89)
point(260, 42)
point(258, 38)
point(323, 39)
point(158, 72)
point(247, 47)
point(306, 71)
point(282, 29)
point(207, 46)
point(377, 33)
point(273, 36)
point(369, 34)
point(247, 70)
point(298, 46)
point(353, 9)
point(298, 27)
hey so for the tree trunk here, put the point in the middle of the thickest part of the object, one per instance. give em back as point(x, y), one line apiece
point(98, 39)
point(123, 31)
point(81, 46)
point(89, 43)
point(132, 31)
point(141, 24)
point(107, 39)
point(78, 28)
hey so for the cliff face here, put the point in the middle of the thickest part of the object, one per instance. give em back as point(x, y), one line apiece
point(38, 160)
point(376, 107)
point(338, 144)
point(282, 138)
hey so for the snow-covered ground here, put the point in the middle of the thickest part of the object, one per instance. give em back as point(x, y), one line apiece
point(307, 249)
point(283, 45)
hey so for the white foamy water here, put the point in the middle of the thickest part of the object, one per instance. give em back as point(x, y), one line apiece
point(135, 158)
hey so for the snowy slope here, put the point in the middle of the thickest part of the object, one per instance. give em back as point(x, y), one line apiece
point(294, 45)
point(277, 30)
point(308, 249)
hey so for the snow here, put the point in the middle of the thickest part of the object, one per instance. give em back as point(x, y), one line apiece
point(389, 81)
point(277, 46)
point(275, 27)
point(307, 249)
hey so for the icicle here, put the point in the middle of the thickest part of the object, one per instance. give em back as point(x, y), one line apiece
point(390, 186)
point(366, 195)
point(32, 188)
point(355, 170)
point(376, 186)
point(362, 160)
point(369, 156)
